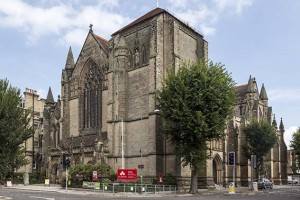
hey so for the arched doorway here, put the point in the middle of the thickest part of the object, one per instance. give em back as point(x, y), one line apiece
point(217, 170)
point(54, 174)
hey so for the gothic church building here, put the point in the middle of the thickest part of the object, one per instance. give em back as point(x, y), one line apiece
point(107, 101)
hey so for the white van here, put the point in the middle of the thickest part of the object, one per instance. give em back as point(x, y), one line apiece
point(292, 180)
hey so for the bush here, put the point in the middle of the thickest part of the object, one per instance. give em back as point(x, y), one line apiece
point(35, 178)
point(86, 170)
point(17, 178)
point(170, 180)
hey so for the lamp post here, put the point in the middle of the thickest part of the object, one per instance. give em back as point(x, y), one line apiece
point(141, 152)
point(122, 138)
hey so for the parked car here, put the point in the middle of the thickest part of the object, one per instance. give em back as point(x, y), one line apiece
point(264, 183)
point(292, 180)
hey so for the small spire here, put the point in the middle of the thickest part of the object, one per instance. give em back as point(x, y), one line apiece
point(263, 93)
point(70, 60)
point(50, 96)
point(156, 3)
point(274, 123)
point(91, 28)
point(250, 87)
point(281, 126)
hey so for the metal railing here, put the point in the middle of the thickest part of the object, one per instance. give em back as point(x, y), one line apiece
point(135, 188)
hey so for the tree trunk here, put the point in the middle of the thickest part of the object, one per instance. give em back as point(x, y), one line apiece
point(194, 180)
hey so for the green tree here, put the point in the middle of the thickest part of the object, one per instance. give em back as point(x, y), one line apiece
point(14, 129)
point(260, 138)
point(86, 170)
point(295, 146)
point(195, 103)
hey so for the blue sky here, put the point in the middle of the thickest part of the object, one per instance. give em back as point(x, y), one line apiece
point(250, 37)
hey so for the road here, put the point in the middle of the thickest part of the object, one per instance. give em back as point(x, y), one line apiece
point(290, 193)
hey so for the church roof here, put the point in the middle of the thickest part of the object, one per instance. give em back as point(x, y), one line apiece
point(150, 15)
point(103, 42)
point(241, 90)
point(86, 140)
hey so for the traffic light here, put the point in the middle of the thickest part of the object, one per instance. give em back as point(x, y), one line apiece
point(231, 158)
point(65, 160)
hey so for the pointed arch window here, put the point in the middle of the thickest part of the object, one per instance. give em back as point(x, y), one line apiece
point(144, 55)
point(92, 96)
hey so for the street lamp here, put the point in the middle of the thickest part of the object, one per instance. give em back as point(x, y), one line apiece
point(122, 138)
point(141, 166)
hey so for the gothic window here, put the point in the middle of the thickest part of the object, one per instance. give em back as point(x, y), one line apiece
point(95, 81)
point(144, 55)
point(58, 137)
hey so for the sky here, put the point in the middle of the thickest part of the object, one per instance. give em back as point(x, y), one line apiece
point(260, 38)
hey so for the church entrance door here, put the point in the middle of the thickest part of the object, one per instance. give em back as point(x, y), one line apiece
point(217, 170)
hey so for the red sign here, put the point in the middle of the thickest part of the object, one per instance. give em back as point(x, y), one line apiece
point(95, 176)
point(127, 175)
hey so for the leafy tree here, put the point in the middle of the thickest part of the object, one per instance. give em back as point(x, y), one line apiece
point(14, 129)
point(260, 138)
point(195, 103)
point(86, 170)
point(295, 146)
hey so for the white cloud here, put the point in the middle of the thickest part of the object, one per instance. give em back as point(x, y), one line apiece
point(65, 20)
point(178, 3)
point(74, 37)
point(205, 16)
point(282, 94)
point(232, 5)
point(288, 135)
point(60, 19)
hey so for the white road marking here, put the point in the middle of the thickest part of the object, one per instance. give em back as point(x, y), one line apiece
point(42, 198)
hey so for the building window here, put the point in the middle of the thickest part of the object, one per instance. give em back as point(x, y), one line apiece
point(144, 55)
point(92, 96)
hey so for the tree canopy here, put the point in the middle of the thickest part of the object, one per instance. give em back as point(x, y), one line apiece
point(295, 146)
point(260, 138)
point(195, 103)
point(14, 128)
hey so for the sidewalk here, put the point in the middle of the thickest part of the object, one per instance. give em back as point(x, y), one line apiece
point(79, 191)
point(58, 188)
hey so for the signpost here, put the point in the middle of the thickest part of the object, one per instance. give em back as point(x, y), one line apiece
point(127, 175)
point(141, 166)
point(231, 161)
point(95, 176)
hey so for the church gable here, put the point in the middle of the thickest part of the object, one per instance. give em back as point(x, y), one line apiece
point(95, 49)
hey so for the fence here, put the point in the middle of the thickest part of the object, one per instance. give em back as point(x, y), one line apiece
point(131, 188)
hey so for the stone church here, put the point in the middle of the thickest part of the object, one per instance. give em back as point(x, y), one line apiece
point(251, 104)
point(106, 112)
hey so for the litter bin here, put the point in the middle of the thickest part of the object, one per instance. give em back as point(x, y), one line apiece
point(231, 187)
point(254, 186)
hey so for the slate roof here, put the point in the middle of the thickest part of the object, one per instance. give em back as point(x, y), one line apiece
point(103, 42)
point(87, 140)
point(150, 15)
point(241, 90)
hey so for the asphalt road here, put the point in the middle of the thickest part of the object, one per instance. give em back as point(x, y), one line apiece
point(292, 193)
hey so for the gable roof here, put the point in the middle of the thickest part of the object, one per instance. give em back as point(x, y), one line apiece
point(103, 42)
point(150, 15)
point(241, 90)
